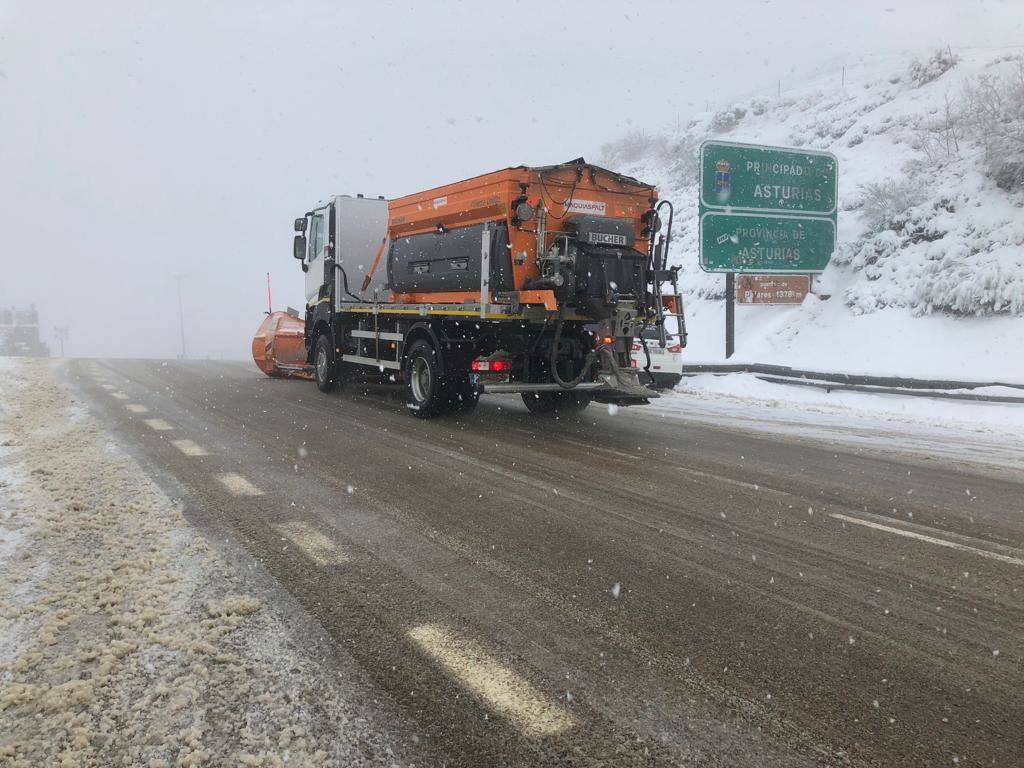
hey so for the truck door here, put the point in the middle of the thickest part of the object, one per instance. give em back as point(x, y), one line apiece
point(316, 251)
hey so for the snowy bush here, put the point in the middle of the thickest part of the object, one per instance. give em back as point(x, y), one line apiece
point(922, 72)
point(994, 117)
point(885, 204)
point(759, 106)
point(684, 160)
point(727, 119)
point(968, 283)
point(631, 148)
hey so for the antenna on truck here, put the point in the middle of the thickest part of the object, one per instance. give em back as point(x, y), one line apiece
point(270, 306)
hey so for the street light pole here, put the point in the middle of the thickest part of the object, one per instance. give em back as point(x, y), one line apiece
point(181, 315)
point(61, 333)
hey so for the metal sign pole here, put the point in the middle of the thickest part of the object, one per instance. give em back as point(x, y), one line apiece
point(730, 314)
point(485, 269)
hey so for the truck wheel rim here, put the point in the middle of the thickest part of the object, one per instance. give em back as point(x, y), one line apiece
point(321, 365)
point(420, 379)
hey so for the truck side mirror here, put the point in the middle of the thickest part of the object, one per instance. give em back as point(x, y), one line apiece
point(299, 250)
point(300, 224)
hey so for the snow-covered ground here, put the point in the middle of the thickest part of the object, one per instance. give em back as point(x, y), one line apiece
point(960, 431)
point(927, 281)
point(125, 639)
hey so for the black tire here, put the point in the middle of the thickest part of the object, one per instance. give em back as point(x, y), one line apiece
point(325, 363)
point(664, 380)
point(463, 394)
point(556, 402)
point(540, 403)
point(426, 393)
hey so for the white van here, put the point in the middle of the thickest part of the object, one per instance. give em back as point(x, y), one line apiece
point(666, 363)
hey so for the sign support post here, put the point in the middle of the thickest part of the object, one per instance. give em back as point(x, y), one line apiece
point(730, 314)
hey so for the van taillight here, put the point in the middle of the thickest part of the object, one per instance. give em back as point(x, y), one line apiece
point(677, 348)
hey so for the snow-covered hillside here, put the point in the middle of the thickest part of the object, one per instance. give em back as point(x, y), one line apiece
point(928, 275)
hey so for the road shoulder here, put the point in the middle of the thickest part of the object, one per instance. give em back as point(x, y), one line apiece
point(128, 639)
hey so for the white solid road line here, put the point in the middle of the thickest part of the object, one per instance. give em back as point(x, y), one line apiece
point(189, 448)
point(502, 689)
point(238, 485)
point(320, 549)
point(158, 424)
point(136, 408)
point(929, 539)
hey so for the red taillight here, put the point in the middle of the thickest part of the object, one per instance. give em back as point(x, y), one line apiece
point(636, 347)
point(677, 348)
point(491, 366)
point(607, 340)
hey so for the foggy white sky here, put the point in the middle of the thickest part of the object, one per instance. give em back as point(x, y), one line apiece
point(142, 140)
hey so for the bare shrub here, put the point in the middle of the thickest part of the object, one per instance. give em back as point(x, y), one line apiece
point(994, 117)
point(631, 148)
point(939, 137)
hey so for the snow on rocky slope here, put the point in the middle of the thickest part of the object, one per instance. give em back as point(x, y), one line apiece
point(126, 640)
point(928, 276)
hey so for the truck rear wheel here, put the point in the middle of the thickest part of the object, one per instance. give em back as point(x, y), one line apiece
point(426, 393)
point(325, 363)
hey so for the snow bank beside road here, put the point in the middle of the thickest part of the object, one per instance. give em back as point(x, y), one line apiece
point(124, 640)
point(987, 433)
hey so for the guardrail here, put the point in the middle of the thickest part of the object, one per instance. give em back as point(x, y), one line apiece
point(888, 385)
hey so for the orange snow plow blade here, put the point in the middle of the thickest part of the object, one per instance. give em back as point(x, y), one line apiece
point(279, 348)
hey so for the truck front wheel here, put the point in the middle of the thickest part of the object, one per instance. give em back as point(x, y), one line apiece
point(325, 363)
point(426, 394)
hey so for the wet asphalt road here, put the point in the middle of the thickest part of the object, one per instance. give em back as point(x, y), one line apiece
point(622, 589)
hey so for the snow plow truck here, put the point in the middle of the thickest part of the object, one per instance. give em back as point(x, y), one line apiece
point(527, 280)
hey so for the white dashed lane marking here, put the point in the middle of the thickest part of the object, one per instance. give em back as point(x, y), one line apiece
point(119, 395)
point(189, 448)
point(501, 689)
point(929, 539)
point(320, 549)
point(238, 485)
point(108, 386)
point(158, 424)
point(136, 408)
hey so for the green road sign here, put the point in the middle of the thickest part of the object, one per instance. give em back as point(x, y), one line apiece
point(766, 209)
point(745, 177)
point(765, 243)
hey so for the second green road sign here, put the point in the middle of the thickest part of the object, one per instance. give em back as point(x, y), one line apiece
point(766, 209)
